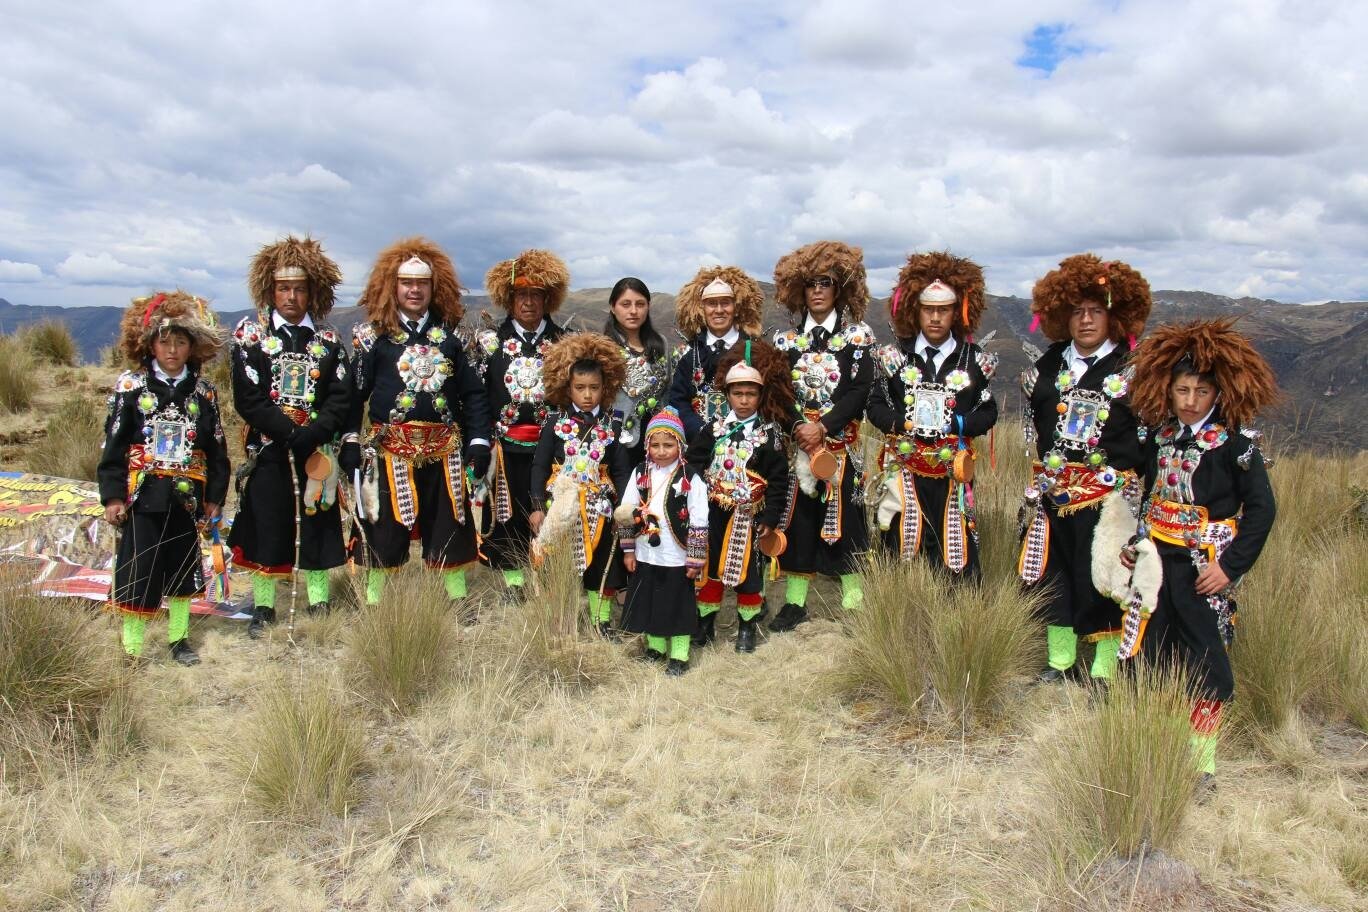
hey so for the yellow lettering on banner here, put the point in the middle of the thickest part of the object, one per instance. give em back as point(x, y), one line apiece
point(66, 496)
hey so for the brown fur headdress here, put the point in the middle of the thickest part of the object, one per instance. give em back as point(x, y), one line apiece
point(562, 354)
point(750, 300)
point(529, 269)
point(165, 310)
point(776, 396)
point(1212, 347)
point(842, 262)
point(380, 299)
point(306, 254)
point(1112, 283)
point(921, 269)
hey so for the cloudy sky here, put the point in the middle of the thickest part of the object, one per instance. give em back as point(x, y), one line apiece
point(1217, 146)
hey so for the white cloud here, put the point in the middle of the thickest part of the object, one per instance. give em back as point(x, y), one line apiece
point(17, 273)
point(102, 269)
point(312, 178)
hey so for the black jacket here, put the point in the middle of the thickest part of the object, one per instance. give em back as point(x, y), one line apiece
point(124, 427)
point(551, 452)
point(855, 363)
point(769, 461)
point(254, 381)
point(693, 377)
point(378, 383)
point(1120, 440)
point(975, 403)
point(492, 361)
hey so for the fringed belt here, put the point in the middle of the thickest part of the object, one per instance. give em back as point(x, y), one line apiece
point(141, 464)
point(1077, 486)
point(929, 459)
point(1074, 487)
point(724, 494)
point(415, 443)
point(1189, 526)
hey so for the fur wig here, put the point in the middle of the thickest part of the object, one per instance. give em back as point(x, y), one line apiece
point(750, 300)
point(380, 299)
point(306, 254)
point(529, 269)
point(164, 310)
point(562, 354)
point(964, 276)
point(1245, 380)
point(776, 396)
point(1112, 283)
point(842, 262)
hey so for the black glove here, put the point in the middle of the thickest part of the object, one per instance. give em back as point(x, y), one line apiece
point(305, 440)
point(349, 458)
point(477, 457)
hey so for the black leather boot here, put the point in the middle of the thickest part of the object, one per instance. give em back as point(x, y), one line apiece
point(674, 668)
point(182, 653)
point(256, 628)
point(707, 630)
point(745, 636)
point(789, 616)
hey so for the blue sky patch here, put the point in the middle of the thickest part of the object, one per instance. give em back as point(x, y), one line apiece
point(1047, 46)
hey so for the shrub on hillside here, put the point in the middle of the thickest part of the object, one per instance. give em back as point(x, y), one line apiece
point(1120, 773)
point(934, 649)
point(73, 442)
point(304, 753)
point(62, 682)
point(18, 378)
point(51, 341)
point(399, 651)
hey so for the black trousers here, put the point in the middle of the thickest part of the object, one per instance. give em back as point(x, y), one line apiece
point(807, 552)
point(158, 556)
point(263, 533)
point(447, 543)
point(932, 494)
point(1072, 600)
point(507, 544)
point(1184, 628)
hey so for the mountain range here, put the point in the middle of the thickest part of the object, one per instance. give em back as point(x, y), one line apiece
point(1319, 351)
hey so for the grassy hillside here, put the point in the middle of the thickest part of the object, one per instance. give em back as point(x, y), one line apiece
point(518, 764)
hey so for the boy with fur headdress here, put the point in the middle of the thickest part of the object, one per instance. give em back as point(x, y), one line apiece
point(429, 419)
point(823, 287)
point(663, 530)
point(719, 307)
point(931, 400)
point(290, 385)
point(530, 288)
point(1208, 507)
point(580, 458)
point(1088, 446)
point(741, 455)
point(164, 466)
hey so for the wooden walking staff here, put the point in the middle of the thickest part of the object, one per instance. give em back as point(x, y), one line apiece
point(294, 568)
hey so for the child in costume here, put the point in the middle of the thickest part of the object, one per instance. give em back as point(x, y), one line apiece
point(1208, 508)
point(931, 400)
point(1087, 447)
point(164, 467)
point(822, 286)
point(663, 532)
point(579, 462)
point(742, 457)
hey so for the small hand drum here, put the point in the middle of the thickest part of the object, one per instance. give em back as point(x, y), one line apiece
point(963, 466)
point(824, 464)
point(317, 466)
point(773, 543)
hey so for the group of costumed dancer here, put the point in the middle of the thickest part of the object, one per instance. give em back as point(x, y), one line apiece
point(671, 476)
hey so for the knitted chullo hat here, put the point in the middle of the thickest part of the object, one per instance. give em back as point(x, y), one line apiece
point(666, 420)
point(292, 259)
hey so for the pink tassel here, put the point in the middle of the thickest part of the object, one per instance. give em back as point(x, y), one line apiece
point(897, 296)
point(1131, 340)
point(1035, 323)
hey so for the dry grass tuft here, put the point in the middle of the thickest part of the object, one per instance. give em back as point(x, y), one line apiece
point(18, 375)
point(933, 649)
point(71, 446)
point(304, 752)
point(51, 341)
point(399, 652)
point(1120, 772)
point(559, 646)
point(62, 684)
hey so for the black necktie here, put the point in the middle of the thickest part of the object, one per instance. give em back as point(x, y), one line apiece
point(412, 325)
point(819, 336)
point(1089, 360)
point(931, 357)
point(719, 346)
point(1185, 438)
